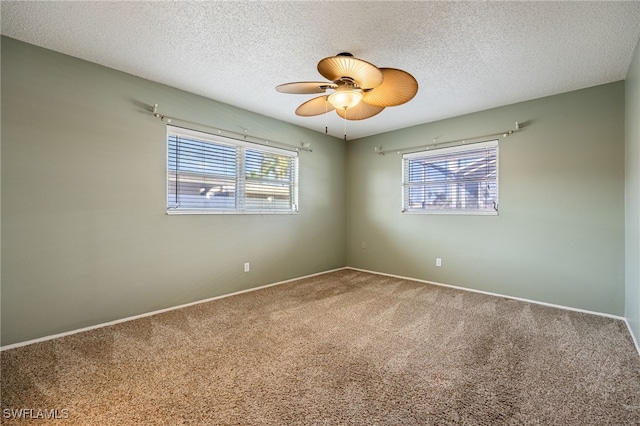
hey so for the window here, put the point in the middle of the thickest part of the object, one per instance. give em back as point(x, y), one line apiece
point(213, 174)
point(461, 180)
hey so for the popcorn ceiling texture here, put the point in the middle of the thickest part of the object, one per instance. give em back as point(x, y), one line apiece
point(346, 347)
point(466, 56)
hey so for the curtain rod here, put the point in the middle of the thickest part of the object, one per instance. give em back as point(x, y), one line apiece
point(456, 142)
point(305, 146)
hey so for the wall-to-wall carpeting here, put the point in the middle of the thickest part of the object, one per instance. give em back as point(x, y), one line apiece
point(346, 347)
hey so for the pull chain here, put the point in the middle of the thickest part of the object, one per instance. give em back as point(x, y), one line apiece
point(345, 124)
point(326, 109)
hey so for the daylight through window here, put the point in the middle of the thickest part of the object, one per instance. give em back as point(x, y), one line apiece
point(462, 180)
point(213, 174)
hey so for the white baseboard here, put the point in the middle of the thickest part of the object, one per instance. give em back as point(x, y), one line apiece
point(633, 336)
point(551, 305)
point(148, 314)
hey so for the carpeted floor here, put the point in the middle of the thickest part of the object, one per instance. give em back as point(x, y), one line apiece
point(343, 348)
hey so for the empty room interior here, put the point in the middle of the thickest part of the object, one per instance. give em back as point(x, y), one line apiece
point(249, 213)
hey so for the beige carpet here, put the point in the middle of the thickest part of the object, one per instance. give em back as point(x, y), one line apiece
point(343, 348)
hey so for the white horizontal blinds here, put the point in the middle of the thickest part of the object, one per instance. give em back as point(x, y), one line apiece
point(269, 180)
point(211, 173)
point(202, 174)
point(462, 179)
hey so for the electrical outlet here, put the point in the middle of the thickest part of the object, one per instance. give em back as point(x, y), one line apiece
point(364, 245)
point(438, 261)
point(247, 267)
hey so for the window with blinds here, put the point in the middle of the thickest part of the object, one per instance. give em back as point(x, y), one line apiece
point(460, 180)
point(213, 174)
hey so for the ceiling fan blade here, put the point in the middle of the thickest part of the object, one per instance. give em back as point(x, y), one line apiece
point(360, 111)
point(365, 75)
point(305, 87)
point(315, 106)
point(397, 88)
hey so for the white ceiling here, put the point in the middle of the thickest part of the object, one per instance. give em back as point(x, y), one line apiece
point(466, 56)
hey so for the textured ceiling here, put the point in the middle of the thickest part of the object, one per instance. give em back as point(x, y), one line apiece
point(466, 56)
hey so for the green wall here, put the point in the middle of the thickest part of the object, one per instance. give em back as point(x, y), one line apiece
point(559, 237)
point(632, 193)
point(85, 237)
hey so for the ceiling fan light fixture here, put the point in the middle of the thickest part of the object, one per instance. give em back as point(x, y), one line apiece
point(345, 99)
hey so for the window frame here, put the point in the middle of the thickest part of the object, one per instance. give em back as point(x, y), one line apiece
point(491, 144)
point(240, 177)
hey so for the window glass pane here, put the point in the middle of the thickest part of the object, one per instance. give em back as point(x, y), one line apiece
point(463, 180)
point(202, 175)
point(205, 174)
point(268, 180)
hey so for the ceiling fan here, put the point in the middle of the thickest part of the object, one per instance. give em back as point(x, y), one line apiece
point(360, 89)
